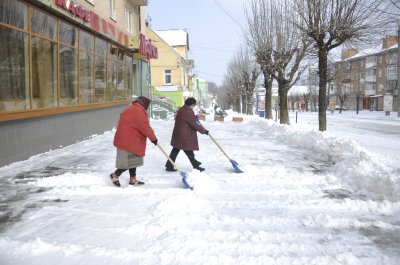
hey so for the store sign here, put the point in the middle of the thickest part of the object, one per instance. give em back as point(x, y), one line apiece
point(107, 28)
point(146, 48)
point(96, 23)
point(76, 10)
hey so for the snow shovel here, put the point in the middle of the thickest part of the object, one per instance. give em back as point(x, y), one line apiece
point(233, 162)
point(183, 174)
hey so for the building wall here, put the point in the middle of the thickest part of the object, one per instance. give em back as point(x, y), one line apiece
point(168, 58)
point(32, 129)
point(362, 75)
point(20, 139)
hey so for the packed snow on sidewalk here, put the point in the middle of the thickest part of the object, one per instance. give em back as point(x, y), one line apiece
point(306, 197)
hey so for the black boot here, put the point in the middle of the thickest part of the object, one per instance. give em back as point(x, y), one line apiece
point(199, 168)
point(170, 169)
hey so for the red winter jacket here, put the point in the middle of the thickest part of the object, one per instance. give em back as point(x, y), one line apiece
point(133, 128)
point(184, 135)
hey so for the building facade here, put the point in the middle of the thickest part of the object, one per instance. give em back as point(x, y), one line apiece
point(170, 72)
point(367, 76)
point(67, 69)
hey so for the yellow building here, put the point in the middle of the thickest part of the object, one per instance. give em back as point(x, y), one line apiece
point(169, 73)
point(67, 70)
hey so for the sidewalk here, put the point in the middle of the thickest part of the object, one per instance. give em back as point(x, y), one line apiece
point(290, 206)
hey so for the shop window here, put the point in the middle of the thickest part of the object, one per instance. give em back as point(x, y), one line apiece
point(101, 47)
point(85, 77)
point(68, 34)
point(43, 24)
point(68, 76)
point(112, 51)
point(44, 73)
point(120, 84)
point(129, 78)
point(14, 13)
point(168, 77)
point(14, 70)
point(121, 75)
point(111, 79)
point(100, 79)
point(86, 41)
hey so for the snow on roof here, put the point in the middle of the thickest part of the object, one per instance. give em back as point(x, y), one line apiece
point(298, 90)
point(370, 51)
point(174, 37)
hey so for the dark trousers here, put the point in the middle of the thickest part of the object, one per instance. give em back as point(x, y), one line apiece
point(174, 153)
point(132, 172)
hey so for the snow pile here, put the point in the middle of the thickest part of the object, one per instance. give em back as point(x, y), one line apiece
point(201, 182)
point(358, 170)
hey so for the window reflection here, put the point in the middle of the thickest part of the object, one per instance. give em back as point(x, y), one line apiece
point(85, 78)
point(68, 34)
point(14, 70)
point(68, 76)
point(14, 13)
point(121, 77)
point(101, 47)
point(86, 40)
point(43, 24)
point(44, 73)
point(100, 81)
point(111, 79)
point(68, 66)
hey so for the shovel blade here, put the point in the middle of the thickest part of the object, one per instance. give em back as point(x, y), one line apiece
point(236, 166)
point(185, 181)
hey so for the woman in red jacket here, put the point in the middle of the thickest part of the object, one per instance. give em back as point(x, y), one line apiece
point(184, 135)
point(130, 139)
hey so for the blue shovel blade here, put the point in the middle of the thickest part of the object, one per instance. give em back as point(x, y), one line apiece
point(185, 182)
point(236, 166)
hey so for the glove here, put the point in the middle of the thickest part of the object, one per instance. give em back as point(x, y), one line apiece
point(197, 120)
point(206, 132)
point(155, 141)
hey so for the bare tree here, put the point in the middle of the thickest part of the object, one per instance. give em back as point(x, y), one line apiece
point(259, 37)
point(287, 44)
point(234, 83)
point(342, 98)
point(306, 96)
point(331, 23)
point(290, 48)
point(249, 75)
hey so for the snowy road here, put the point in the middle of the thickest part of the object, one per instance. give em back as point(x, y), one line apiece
point(297, 203)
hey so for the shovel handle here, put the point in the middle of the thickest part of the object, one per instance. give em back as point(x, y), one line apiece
point(170, 160)
point(212, 138)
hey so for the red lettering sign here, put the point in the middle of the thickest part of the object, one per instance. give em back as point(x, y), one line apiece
point(95, 22)
point(76, 10)
point(146, 48)
point(107, 28)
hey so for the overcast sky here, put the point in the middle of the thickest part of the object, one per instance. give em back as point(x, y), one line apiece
point(213, 26)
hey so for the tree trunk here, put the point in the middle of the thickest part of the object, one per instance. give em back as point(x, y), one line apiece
point(322, 67)
point(268, 95)
point(236, 103)
point(249, 109)
point(358, 102)
point(244, 103)
point(283, 107)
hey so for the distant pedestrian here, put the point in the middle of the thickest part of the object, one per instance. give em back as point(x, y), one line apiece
point(184, 135)
point(130, 140)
